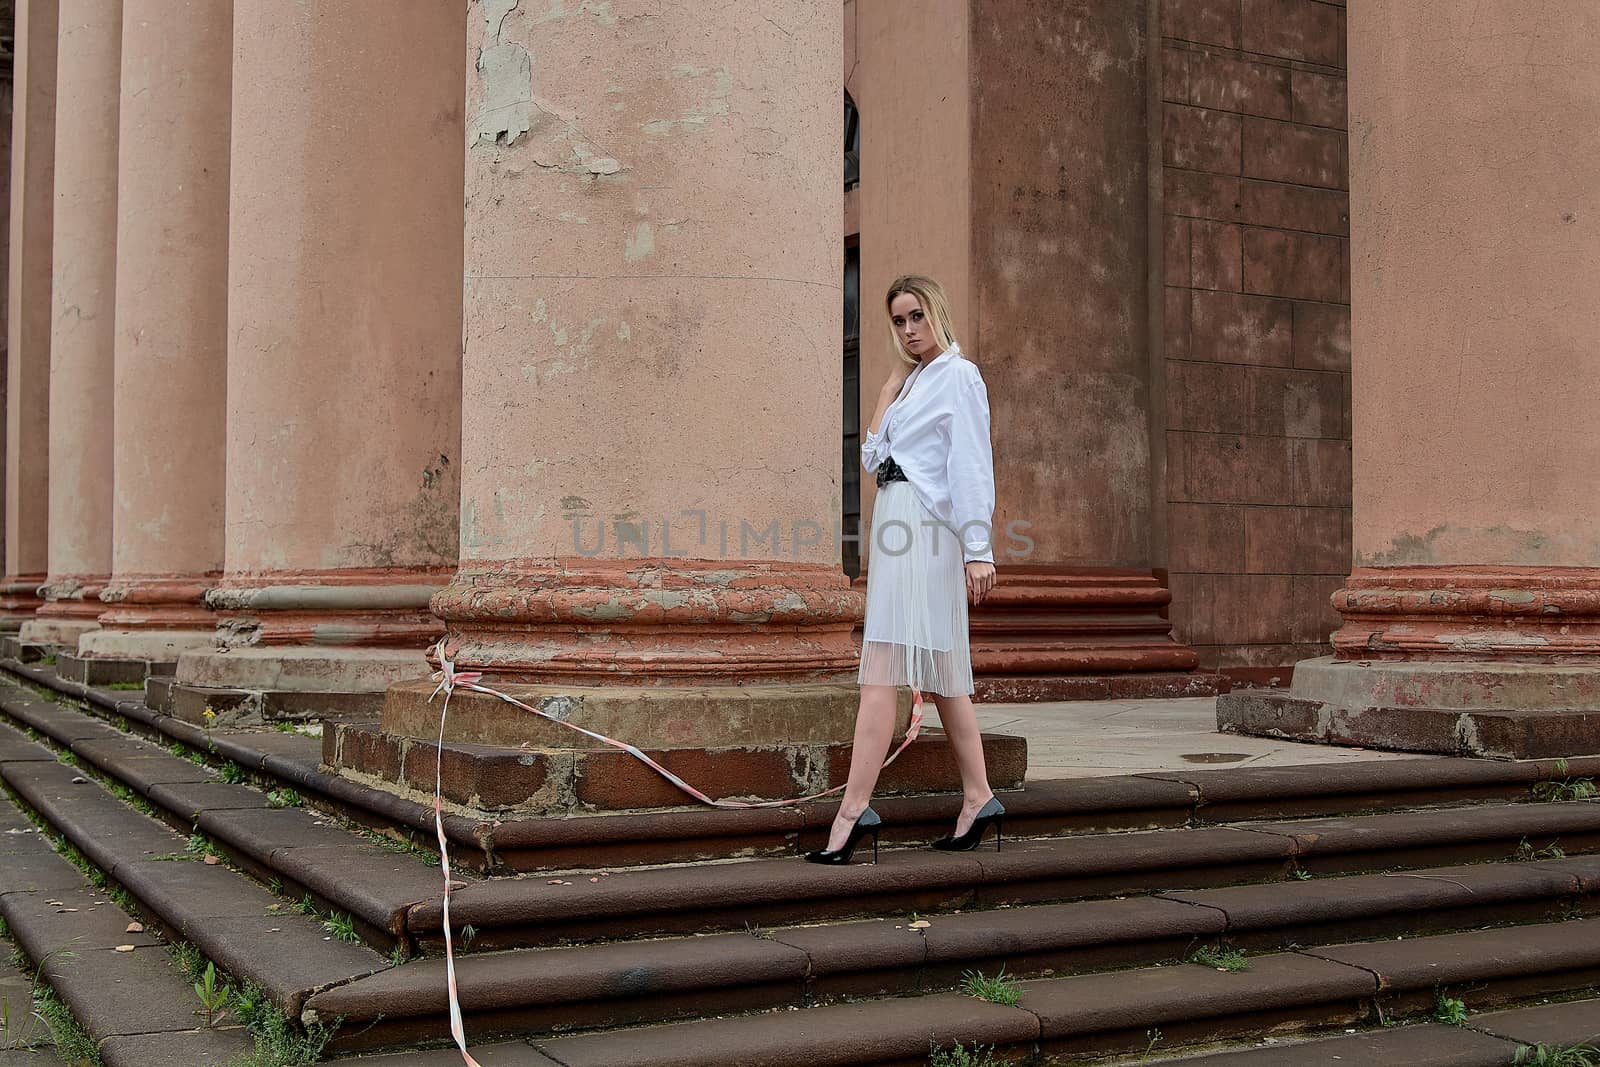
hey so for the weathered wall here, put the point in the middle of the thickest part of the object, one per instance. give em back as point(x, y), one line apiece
point(1476, 437)
point(1058, 224)
point(1257, 325)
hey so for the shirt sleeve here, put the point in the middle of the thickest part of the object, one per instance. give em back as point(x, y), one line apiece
point(971, 468)
point(873, 450)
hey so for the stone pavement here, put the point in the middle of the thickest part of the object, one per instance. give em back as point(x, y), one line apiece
point(1077, 739)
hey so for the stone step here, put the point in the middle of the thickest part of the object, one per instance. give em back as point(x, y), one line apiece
point(238, 924)
point(707, 974)
point(629, 982)
point(308, 853)
point(122, 987)
point(1096, 1015)
point(1065, 807)
point(536, 910)
point(276, 759)
point(1491, 1039)
point(395, 899)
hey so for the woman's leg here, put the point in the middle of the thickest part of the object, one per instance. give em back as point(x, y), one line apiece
point(874, 732)
point(960, 722)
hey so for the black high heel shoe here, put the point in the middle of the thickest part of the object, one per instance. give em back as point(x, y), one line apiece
point(867, 822)
point(991, 812)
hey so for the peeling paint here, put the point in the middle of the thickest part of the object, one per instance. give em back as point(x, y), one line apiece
point(714, 104)
point(1446, 544)
point(506, 69)
point(641, 243)
point(557, 9)
point(1491, 640)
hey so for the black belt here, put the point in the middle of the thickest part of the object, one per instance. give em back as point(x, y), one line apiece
point(889, 471)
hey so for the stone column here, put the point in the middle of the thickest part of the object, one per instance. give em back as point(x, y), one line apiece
point(171, 330)
point(344, 335)
point(652, 314)
point(1472, 614)
point(33, 152)
point(88, 69)
point(652, 397)
point(1036, 113)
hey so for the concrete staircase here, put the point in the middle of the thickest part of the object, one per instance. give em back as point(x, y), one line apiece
point(1360, 895)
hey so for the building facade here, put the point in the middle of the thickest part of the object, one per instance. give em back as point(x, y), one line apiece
point(280, 416)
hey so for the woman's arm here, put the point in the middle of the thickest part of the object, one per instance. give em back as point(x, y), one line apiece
point(971, 468)
point(971, 474)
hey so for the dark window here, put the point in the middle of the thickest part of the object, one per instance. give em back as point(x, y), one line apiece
point(852, 143)
point(850, 486)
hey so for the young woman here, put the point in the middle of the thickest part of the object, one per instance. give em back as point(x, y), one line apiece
point(929, 446)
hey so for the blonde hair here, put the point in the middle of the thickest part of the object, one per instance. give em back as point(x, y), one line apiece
point(935, 305)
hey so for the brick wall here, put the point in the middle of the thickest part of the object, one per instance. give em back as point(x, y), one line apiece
point(1257, 326)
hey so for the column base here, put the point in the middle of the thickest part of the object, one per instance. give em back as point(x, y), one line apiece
point(63, 632)
point(1080, 633)
point(12, 646)
point(151, 646)
point(71, 609)
point(1155, 685)
point(19, 600)
point(679, 716)
point(242, 686)
point(494, 780)
point(1489, 709)
point(102, 671)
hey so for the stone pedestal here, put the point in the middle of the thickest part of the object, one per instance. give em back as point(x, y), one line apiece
point(27, 463)
point(1079, 608)
point(1471, 621)
point(84, 264)
point(343, 346)
point(171, 338)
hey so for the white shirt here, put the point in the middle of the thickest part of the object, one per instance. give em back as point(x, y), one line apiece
point(937, 429)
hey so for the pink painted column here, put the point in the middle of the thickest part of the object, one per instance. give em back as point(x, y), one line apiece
point(651, 370)
point(1472, 614)
point(171, 329)
point(344, 335)
point(33, 152)
point(88, 74)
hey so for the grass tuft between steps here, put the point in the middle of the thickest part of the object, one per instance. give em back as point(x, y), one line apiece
point(1557, 1056)
point(1221, 959)
point(997, 990)
point(73, 1043)
point(959, 1055)
point(1451, 1011)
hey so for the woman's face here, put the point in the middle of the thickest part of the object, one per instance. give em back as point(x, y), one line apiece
point(912, 326)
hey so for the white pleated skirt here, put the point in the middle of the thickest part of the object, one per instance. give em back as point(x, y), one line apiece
point(916, 625)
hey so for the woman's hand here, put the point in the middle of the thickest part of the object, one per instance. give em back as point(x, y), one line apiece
point(980, 579)
point(897, 379)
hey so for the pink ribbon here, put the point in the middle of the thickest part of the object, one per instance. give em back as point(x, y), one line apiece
point(450, 680)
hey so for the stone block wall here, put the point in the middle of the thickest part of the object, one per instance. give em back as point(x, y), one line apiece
point(1257, 332)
